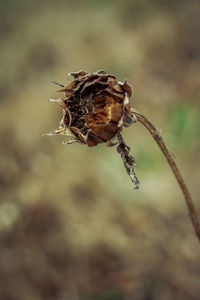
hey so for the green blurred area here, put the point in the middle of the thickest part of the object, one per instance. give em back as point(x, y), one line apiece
point(71, 225)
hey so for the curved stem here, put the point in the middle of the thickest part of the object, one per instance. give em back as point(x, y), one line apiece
point(159, 140)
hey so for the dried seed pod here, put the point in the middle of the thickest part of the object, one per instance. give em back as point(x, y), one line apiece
point(95, 107)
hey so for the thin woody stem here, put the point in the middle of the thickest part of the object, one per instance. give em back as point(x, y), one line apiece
point(159, 140)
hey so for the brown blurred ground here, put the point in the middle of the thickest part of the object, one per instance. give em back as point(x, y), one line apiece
point(71, 225)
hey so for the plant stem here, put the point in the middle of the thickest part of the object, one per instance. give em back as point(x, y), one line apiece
point(159, 140)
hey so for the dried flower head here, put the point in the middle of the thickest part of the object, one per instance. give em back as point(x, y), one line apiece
point(95, 108)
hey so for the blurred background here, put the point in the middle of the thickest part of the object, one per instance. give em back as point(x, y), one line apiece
point(71, 225)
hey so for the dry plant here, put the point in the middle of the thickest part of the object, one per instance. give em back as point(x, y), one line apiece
point(95, 108)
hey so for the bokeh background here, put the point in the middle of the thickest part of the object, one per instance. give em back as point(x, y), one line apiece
point(71, 225)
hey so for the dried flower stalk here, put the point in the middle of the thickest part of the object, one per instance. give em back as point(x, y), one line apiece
point(95, 108)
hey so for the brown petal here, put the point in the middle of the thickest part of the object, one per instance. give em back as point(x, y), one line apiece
point(119, 97)
point(101, 116)
point(127, 88)
point(78, 134)
point(115, 112)
point(78, 74)
point(101, 72)
point(71, 88)
point(118, 88)
point(93, 140)
point(105, 131)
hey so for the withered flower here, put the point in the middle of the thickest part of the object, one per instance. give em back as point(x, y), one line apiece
point(95, 108)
